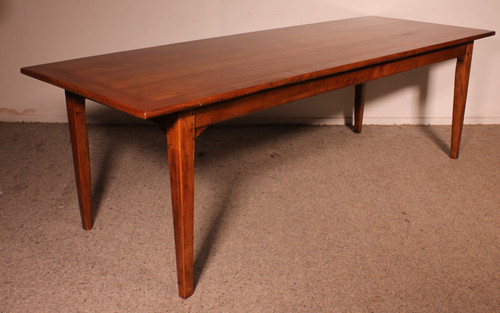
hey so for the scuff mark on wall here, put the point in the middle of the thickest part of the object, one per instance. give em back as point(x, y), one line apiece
point(7, 111)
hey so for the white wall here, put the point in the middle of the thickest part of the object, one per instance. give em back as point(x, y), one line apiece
point(34, 32)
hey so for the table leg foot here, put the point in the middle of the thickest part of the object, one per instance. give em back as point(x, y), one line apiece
point(462, 72)
point(75, 105)
point(359, 103)
point(181, 142)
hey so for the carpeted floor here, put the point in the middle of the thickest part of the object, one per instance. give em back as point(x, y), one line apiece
point(287, 219)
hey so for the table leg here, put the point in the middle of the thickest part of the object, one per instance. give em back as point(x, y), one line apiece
point(75, 105)
point(181, 143)
point(359, 103)
point(462, 72)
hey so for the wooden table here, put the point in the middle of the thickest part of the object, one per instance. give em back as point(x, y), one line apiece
point(188, 86)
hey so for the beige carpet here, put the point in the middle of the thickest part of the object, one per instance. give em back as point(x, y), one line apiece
point(287, 219)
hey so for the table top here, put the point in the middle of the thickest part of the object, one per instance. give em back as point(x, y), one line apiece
point(160, 80)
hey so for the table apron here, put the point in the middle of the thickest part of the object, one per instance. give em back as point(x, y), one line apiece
point(268, 98)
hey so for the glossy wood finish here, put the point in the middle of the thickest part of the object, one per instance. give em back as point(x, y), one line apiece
point(166, 79)
point(224, 110)
point(187, 87)
point(462, 72)
point(180, 138)
point(359, 104)
point(75, 105)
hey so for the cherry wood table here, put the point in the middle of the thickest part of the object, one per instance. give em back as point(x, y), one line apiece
point(186, 87)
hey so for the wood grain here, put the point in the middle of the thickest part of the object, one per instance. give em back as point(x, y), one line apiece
point(81, 160)
point(180, 138)
point(359, 104)
point(462, 72)
point(160, 80)
point(188, 86)
point(264, 99)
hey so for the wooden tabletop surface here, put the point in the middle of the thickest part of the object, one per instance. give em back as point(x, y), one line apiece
point(160, 80)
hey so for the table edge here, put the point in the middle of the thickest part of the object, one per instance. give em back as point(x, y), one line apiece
point(210, 100)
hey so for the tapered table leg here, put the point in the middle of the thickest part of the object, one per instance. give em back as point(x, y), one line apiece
point(181, 143)
point(462, 72)
point(359, 103)
point(75, 105)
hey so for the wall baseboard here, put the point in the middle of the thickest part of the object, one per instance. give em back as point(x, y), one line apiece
point(22, 118)
point(366, 121)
